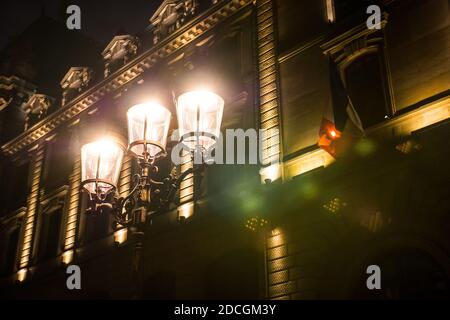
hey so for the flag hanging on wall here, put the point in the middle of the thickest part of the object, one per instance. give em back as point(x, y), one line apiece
point(341, 125)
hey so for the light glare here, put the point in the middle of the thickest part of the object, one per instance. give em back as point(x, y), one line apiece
point(199, 118)
point(101, 160)
point(148, 126)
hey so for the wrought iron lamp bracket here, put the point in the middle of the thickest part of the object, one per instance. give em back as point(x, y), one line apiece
point(125, 209)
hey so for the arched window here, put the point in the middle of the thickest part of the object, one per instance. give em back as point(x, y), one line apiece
point(365, 87)
point(360, 57)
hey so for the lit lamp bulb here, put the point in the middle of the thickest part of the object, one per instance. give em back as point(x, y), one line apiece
point(199, 118)
point(101, 162)
point(334, 134)
point(148, 126)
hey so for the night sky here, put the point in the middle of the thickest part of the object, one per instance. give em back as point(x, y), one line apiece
point(100, 19)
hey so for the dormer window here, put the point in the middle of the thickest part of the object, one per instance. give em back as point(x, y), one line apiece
point(36, 108)
point(119, 52)
point(170, 16)
point(75, 81)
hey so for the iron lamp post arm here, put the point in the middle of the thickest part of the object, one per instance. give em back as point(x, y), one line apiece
point(174, 183)
point(123, 217)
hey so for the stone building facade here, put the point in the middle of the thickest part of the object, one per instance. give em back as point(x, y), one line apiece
point(306, 227)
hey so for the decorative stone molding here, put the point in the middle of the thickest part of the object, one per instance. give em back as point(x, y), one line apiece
point(360, 40)
point(54, 200)
point(14, 91)
point(75, 81)
point(36, 108)
point(13, 219)
point(72, 215)
point(307, 162)
point(32, 207)
point(13, 82)
point(170, 16)
point(121, 50)
point(406, 124)
point(268, 88)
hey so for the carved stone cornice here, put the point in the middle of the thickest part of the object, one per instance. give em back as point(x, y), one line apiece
point(121, 49)
point(15, 215)
point(13, 82)
point(14, 90)
point(353, 40)
point(76, 80)
point(36, 107)
point(355, 43)
point(170, 16)
point(54, 199)
point(118, 45)
point(193, 30)
point(76, 77)
point(38, 104)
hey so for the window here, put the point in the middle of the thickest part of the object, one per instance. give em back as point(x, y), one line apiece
point(10, 235)
point(360, 57)
point(50, 224)
point(50, 234)
point(11, 251)
point(58, 163)
point(14, 181)
point(365, 88)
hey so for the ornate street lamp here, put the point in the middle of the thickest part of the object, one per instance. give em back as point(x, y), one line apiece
point(199, 117)
point(100, 167)
point(148, 125)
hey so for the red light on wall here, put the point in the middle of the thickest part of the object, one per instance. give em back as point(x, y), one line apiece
point(327, 136)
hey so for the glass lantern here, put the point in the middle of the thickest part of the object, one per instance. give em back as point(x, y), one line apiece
point(148, 126)
point(101, 162)
point(199, 118)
